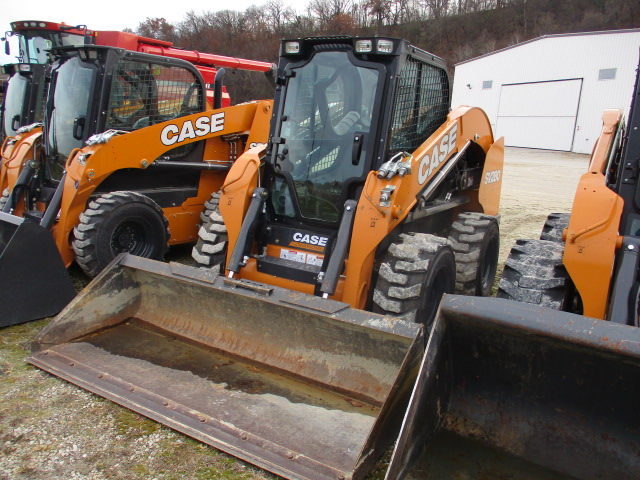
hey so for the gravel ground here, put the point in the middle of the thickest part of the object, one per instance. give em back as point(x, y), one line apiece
point(51, 429)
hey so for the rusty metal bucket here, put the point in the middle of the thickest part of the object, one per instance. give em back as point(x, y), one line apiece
point(34, 282)
point(301, 386)
point(510, 390)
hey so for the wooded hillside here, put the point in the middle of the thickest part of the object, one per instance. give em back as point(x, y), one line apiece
point(455, 30)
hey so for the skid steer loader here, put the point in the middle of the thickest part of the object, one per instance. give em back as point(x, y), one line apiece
point(155, 152)
point(543, 381)
point(26, 90)
point(285, 350)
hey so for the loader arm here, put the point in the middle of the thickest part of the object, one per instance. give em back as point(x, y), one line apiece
point(592, 237)
point(15, 152)
point(141, 149)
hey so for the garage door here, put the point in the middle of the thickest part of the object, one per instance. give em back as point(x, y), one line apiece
point(540, 114)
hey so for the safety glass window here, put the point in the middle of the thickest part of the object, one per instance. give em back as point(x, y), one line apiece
point(69, 107)
point(422, 104)
point(13, 103)
point(144, 94)
point(328, 107)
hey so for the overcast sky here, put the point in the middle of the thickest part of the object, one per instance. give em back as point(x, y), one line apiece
point(111, 14)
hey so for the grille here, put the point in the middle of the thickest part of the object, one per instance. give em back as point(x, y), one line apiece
point(422, 104)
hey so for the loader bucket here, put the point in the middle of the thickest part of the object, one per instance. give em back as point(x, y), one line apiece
point(301, 386)
point(34, 282)
point(509, 390)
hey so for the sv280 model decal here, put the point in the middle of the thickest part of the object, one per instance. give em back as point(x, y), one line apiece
point(172, 133)
point(492, 177)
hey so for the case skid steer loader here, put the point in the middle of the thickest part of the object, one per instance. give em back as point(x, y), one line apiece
point(154, 153)
point(22, 111)
point(286, 350)
point(544, 381)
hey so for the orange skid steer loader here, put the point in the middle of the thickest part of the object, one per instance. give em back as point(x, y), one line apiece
point(131, 153)
point(544, 381)
point(370, 201)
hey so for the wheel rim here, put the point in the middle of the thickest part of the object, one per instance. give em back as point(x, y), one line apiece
point(489, 265)
point(131, 237)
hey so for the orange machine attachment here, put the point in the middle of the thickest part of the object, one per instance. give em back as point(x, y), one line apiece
point(15, 151)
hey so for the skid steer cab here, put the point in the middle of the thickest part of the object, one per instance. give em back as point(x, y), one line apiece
point(131, 151)
point(372, 191)
point(23, 97)
point(371, 199)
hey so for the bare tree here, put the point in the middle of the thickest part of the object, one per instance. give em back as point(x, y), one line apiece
point(157, 28)
point(380, 10)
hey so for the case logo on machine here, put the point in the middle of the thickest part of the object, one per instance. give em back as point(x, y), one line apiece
point(306, 241)
point(310, 239)
point(438, 155)
point(172, 134)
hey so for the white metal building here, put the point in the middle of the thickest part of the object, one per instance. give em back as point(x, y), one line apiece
point(550, 92)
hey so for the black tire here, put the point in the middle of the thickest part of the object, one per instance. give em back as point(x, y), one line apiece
point(211, 249)
point(554, 226)
point(413, 276)
point(209, 206)
point(119, 222)
point(475, 239)
point(534, 273)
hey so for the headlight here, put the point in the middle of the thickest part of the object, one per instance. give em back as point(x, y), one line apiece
point(292, 47)
point(385, 46)
point(364, 46)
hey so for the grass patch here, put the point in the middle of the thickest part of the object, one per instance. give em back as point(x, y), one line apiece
point(130, 424)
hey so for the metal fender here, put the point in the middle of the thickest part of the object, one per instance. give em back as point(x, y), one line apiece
point(491, 184)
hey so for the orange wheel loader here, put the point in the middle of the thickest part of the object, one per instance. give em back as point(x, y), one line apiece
point(130, 153)
point(543, 382)
point(285, 348)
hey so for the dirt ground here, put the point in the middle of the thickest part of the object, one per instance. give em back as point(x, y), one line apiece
point(51, 429)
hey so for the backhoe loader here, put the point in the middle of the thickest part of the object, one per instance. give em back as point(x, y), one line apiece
point(284, 347)
point(154, 153)
point(543, 381)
